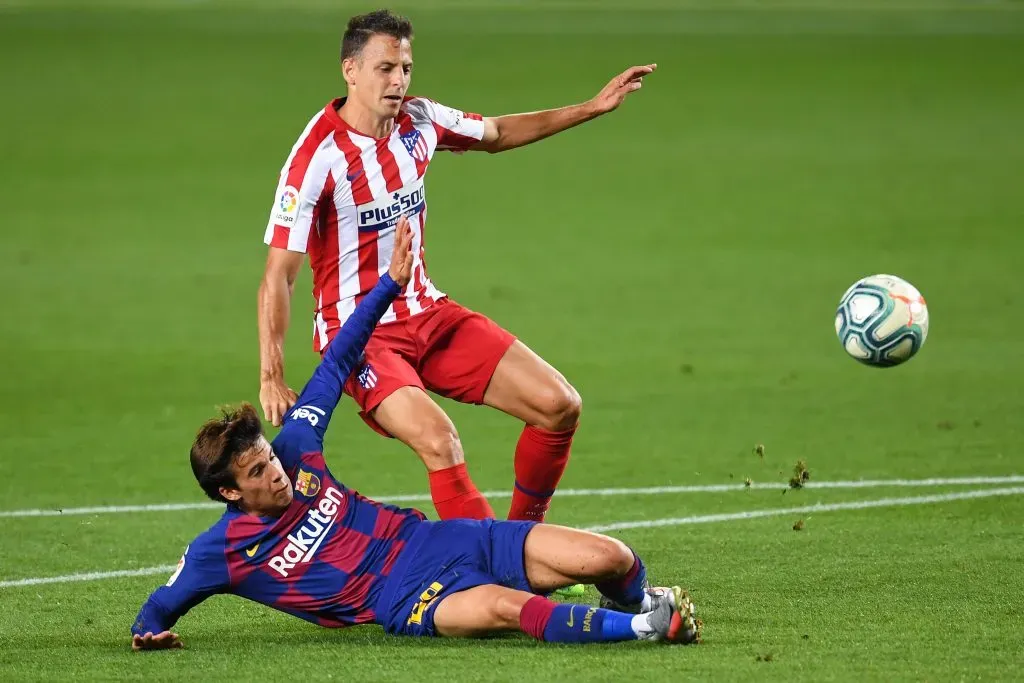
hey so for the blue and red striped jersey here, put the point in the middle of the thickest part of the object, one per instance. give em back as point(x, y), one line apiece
point(325, 559)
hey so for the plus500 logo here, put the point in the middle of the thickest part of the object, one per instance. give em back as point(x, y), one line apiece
point(384, 212)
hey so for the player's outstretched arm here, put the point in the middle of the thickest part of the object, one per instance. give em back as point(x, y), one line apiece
point(305, 429)
point(515, 130)
point(201, 573)
point(346, 348)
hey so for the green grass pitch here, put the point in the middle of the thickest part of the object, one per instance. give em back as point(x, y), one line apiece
point(679, 260)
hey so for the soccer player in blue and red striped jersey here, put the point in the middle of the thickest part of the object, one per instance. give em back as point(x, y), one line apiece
point(296, 539)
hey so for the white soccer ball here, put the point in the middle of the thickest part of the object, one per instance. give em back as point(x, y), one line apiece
point(882, 320)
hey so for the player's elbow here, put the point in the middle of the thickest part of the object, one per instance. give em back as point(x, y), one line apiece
point(282, 268)
point(492, 146)
point(495, 139)
point(499, 144)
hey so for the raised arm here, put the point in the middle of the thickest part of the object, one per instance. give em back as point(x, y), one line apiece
point(274, 303)
point(515, 130)
point(304, 429)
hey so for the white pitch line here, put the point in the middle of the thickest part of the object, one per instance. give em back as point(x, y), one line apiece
point(562, 493)
point(90, 576)
point(809, 509)
point(619, 526)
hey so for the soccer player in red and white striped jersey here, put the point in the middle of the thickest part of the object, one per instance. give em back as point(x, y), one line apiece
point(359, 165)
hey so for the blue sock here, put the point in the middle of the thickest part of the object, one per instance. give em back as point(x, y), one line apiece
point(629, 589)
point(585, 624)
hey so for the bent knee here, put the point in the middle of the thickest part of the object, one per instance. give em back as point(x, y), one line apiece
point(438, 445)
point(612, 557)
point(560, 407)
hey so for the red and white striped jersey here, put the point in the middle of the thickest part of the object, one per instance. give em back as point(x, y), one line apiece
point(339, 198)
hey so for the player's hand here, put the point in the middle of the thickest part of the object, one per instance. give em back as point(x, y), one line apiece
point(612, 95)
point(401, 257)
point(160, 641)
point(276, 398)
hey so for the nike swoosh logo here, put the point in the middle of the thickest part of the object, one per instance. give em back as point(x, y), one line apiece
point(252, 551)
point(353, 176)
point(570, 622)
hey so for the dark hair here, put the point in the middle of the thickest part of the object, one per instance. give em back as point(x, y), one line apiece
point(363, 27)
point(219, 442)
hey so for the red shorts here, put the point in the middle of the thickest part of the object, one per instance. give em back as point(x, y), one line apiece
point(448, 349)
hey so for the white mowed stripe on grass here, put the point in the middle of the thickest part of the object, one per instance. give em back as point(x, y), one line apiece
point(620, 526)
point(562, 493)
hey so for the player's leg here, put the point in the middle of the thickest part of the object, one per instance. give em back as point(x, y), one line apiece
point(487, 609)
point(394, 403)
point(412, 417)
point(527, 387)
point(554, 556)
point(480, 611)
point(470, 578)
point(471, 359)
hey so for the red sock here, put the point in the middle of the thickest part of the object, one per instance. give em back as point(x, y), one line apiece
point(535, 615)
point(455, 496)
point(541, 457)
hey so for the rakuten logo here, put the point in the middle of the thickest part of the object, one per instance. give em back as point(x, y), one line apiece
point(303, 544)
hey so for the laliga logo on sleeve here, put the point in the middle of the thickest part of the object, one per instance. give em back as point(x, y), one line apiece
point(287, 206)
point(289, 199)
point(177, 571)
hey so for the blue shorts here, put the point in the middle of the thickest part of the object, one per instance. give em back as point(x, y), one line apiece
point(442, 558)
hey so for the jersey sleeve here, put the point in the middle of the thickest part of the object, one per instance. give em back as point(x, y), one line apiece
point(202, 571)
point(304, 429)
point(299, 190)
point(456, 130)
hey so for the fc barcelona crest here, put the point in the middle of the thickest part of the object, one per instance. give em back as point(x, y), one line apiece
point(307, 483)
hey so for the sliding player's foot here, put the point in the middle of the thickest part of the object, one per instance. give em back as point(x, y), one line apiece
point(653, 597)
point(673, 621)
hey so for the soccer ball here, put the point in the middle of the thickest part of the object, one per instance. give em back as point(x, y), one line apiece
point(882, 320)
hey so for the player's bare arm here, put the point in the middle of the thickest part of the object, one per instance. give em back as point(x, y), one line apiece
point(515, 130)
point(274, 301)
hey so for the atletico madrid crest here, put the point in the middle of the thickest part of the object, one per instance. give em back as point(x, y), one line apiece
point(415, 144)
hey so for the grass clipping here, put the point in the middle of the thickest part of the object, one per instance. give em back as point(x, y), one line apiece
point(801, 475)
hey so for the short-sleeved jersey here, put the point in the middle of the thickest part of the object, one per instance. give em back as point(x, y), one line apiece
point(339, 197)
point(326, 557)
